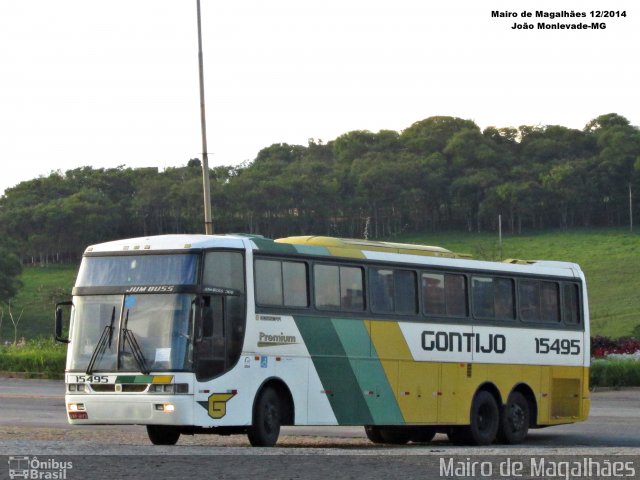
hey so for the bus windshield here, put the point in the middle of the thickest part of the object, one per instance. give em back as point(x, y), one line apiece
point(175, 269)
point(132, 333)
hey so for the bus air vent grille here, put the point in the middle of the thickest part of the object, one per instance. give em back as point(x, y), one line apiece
point(103, 387)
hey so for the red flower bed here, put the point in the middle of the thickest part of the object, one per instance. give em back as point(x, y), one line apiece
point(603, 346)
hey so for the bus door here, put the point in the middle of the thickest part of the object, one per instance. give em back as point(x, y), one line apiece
point(220, 334)
point(222, 321)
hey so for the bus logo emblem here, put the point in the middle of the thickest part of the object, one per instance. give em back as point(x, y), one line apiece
point(218, 404)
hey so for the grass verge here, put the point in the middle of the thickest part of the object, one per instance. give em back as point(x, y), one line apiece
point(38, 358)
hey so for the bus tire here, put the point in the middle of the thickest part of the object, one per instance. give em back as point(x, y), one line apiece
point(163, 434)
point(395, 435)
point(422, 434)
point(515, 418)
point(373, 433)
point(267, 418)
point(460, 436)
point(484, 418)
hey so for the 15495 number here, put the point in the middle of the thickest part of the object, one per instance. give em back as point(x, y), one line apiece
point(92, 379)
point(558, 346)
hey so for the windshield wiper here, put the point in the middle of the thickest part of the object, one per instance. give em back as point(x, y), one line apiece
point(135, 348)
point(105, 339)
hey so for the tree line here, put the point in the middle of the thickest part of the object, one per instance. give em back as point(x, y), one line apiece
point(441, 173)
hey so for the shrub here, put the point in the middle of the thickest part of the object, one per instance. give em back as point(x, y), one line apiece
point(615, 373)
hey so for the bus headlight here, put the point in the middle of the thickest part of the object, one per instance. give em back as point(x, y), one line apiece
point(165, 407)
point(75, 407)
point(77, 411)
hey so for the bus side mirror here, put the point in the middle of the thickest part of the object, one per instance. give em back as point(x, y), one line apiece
point(58, 325)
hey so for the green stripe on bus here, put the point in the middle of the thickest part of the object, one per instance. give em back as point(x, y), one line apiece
point(268, 245)
point(374, 385)
point(312, 250)
point(336, 372)
point(134, 379)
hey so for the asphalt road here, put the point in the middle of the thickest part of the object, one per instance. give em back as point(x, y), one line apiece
point(33, 422)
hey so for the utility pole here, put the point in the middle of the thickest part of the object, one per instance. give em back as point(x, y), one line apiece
point(630, 210)
point(500, 235)
point(208, 220)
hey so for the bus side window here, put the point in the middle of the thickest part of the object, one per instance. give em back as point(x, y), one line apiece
point(571, 305)
point(504, 299)
point(433, 293)
point(351, 289)
point(493, 298)
point(381, 284)
point(549, 302)
point(539, 301)
point(483, 302)
point(456, 295)
point(444, 294)
point(294, 284)
point(269, 282)
point(529, 294)
point(326, 287)
point(405, 293)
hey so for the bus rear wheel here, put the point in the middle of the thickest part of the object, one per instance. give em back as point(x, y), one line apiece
point(267, 419)
point(163, 434)
point(515, 418)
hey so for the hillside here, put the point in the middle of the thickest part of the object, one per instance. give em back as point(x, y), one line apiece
point(610, 259)
point(42, 288)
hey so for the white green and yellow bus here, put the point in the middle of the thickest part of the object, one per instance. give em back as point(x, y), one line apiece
point(191, 334)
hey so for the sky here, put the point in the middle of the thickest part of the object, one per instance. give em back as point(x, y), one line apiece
point(115, 83)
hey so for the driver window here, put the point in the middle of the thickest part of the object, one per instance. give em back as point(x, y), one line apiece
point(224, 270)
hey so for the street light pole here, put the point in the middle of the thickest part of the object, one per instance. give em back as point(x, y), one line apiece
point(208, 221)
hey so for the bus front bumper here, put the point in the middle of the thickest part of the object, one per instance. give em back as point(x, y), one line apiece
point(129, 409)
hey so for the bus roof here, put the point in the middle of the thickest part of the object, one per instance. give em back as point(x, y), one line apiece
point(168, 242)
point(420, 254)
point(369, 245)
point(336, 247)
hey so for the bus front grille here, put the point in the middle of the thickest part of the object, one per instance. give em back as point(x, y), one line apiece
point(120, 387)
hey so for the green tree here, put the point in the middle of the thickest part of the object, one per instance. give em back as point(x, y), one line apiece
point(10, 270)
point(618, 150)
point(432, 134)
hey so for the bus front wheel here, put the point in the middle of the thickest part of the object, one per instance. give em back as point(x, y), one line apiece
point(163, 434)
point(484, 422)
point(267, 419)
point(485, 418)
point(373, 433)
point(395, 435)
point(422, 434)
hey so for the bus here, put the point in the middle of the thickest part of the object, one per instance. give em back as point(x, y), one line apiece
point(240, 334)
